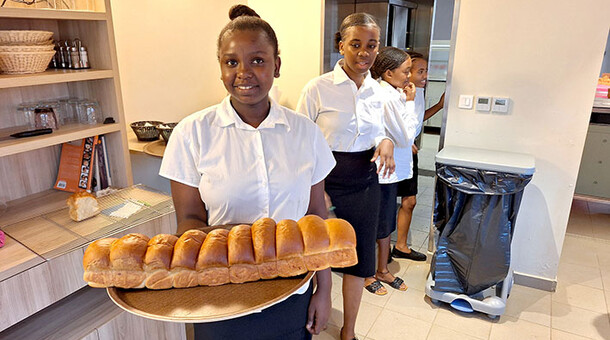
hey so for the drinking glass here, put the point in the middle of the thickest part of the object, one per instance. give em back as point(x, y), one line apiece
point(45, 118)
point(90, 112)
point(27, 112)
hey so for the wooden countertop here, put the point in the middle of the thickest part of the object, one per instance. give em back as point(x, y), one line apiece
point(15, 258)
point(154, 148)
point(48, 231)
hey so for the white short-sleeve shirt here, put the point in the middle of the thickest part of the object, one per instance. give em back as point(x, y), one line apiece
point(245, 173)
point(350, 118)
point(401, 122)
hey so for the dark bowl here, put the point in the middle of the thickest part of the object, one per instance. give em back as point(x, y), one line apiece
point(165, 130)
point(146, 130)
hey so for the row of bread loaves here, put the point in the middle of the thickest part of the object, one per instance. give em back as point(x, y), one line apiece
point(245, 253)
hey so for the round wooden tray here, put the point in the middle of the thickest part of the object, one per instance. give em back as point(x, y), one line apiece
point(156, 148)
point(207, 304)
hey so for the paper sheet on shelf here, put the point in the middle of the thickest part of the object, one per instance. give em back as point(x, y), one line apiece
point(126, 210)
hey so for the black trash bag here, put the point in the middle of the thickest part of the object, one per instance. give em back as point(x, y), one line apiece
point(475, 211)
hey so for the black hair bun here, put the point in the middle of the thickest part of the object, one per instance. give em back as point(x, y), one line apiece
point(242, 10)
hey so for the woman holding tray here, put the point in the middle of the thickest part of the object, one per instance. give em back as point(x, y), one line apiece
point(245, 159)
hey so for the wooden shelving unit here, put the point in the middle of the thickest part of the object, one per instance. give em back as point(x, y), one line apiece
point(30, 164)
point(52, 76)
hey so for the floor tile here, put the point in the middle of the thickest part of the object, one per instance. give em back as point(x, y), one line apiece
point(367, 314)
point(509, 328)
point(473, 324)
point(530, 305)
point(392, 325)
point(580, 296)
point(561, 335)
point(416, 274)
point(413, 303)
point(399, 266)
point(417, 238)
point(580, 321)
point(420, 223)
point(579, 251)
point(442, 333)
point(587, 276)
point(603, 257)
point(337, 282)
point(331, 333)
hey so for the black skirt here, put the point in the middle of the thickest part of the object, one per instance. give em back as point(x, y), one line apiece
point(353, 188)
point(283, 321)
point(387, 210)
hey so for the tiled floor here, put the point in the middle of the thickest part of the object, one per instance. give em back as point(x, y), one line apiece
point(579, 309)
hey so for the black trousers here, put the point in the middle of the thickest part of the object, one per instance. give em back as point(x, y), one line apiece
point(283, 321)
point(353, 187)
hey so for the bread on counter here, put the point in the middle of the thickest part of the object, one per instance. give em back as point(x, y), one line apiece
point(82, 205)
point(245, 253)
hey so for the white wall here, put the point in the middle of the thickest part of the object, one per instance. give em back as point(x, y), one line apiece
point(298, 26)
point(545, 55)
point(167, 56)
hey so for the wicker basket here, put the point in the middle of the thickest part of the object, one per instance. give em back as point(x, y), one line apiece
point(25, 62)
point(25, 37)
point(26, 48)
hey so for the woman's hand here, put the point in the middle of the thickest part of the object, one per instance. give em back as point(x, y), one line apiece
point(409, 90)
point(319, 305)
point(385, 152)
point(414, 148)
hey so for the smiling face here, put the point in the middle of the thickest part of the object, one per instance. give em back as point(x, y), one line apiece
point(419, 72)
point(399, 77)
point(359, 46)
point(248, 66)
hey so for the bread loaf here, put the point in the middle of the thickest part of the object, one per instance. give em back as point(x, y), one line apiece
point(263, 241)
point(289, 247)
point(213, 260)
point(127, 259)
point(242, 266)
point(157, 260)
point(245, 253)
point(82, 205)
point(184, 260)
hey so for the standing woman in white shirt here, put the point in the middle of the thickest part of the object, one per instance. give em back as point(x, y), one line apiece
point(245, 159)
point(392, 68)
point(408, 189)
point(347, 106)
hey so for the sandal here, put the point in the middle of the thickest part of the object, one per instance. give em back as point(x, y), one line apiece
point(375, 287)
point(396, 284)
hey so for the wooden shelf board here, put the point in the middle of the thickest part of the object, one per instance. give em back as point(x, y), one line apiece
point(52, 76)
point(44, 237)
point(32, 13)
point(84, 310)
point(15, 258)
point(65, 133)
point(33, 205)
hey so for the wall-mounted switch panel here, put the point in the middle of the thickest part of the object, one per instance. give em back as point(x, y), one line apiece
point(499, 104)
point(483, 104)
point(466, 102)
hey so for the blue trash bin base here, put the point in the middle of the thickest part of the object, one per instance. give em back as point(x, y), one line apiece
point(491, 301)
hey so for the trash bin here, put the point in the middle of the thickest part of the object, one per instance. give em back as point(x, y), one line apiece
point(477, 198)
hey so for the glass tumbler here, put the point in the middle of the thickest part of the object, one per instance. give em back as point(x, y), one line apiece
point(27, 112)
point(90, 112)
point(45, 118)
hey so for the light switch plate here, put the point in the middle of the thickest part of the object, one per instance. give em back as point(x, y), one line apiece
point(466, 101)
point(483, 104)
point(500, 104)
